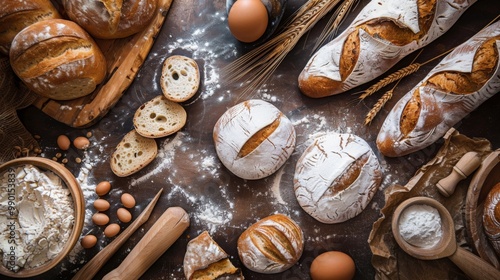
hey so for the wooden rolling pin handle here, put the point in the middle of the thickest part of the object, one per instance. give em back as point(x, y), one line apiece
point(164, 232)
point(463, 168)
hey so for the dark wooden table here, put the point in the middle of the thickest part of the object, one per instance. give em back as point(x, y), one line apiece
point(189, 171)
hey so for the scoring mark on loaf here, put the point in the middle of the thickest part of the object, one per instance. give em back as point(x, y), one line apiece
point(260, 136)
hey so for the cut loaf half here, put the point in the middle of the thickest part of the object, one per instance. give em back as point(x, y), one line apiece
point(132, 154)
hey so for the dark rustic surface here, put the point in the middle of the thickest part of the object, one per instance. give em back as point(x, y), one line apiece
point(191, 175)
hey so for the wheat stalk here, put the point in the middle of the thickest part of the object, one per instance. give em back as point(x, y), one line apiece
point(398, 75)
point(378, 106)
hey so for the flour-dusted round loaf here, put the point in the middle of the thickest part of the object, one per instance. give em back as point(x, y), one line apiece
point(133, 153)
point(111, 19)
point(159, 117)
point(271, 245)
point(205, 259)
point(180, 78)
point(253, 139)
point(336, 177)
point(57, 59)
point(15, 15)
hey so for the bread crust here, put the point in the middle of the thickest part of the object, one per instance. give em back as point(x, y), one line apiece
point(381, 35)
point(461, 82)
point(57, 59)
point(111, 19)
point(491, 217)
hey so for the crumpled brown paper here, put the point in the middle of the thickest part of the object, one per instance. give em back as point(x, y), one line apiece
point(389, 261)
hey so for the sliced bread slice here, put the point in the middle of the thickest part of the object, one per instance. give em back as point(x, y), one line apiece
point(159, 117)
point(180, 78)
point(132, 154)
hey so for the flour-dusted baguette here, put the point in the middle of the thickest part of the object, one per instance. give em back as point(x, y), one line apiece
point(336, 177)
point(383, 33)
point(461, 82)
point(180, 78)
point(253, 139)
point(271, 245)
point(205, 259)
point(111, 19)
point(57, 59)
point(15, 15)
point(133, 153)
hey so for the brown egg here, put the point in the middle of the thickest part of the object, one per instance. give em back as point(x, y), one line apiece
point(123, 215)
point(63, 142)
point(112, 230)
point(247, 20)
point(81, 143)
point(101, 204)
point(127, 200)
point(100, 219)
point(103, 188)
point(332, 265)
point(88, 241)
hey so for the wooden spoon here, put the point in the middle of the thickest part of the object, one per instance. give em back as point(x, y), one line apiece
point(470, 264)
point(97, 262)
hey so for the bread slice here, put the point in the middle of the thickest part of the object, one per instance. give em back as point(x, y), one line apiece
point(159, 117)
point(132, 154)
point(180, 78)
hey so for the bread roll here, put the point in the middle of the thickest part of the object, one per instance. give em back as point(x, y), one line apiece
point(336, 177)
point(205, 259)
point(271, 245)
point(253, 139)
point(111, 19)
point(461, 82)
point(15, 15)
point(491, 217)
point(57, 59)
point(382, 34)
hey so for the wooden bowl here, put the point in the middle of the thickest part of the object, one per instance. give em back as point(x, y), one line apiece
point(483, 181)
point(79, 211)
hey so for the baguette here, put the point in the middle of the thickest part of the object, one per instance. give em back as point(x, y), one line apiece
point(382, 34)
point(461, 82)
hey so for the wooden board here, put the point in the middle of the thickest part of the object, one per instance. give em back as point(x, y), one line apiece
point(124, 58)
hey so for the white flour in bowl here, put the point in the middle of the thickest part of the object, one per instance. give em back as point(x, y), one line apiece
point(420, 225)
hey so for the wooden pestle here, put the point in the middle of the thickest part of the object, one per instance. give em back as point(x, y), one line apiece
point(469, 162)
point(164, 232)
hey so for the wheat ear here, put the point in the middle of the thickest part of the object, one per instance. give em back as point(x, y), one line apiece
point(398, 75)
point(378, 106)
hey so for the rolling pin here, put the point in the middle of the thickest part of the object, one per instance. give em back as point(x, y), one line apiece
point(464, 167)
point(164, 232)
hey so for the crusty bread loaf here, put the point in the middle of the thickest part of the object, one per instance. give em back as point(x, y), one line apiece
point(253, 139)
point(206, 260)
point(133, 153)
point(15, 15)
point(180, 78)
point(491, 217)
point(57, 59)
point(111, 19)
point(461, 82)
point(159, 117)
point(382, 34)
point(336, 177)
point(271, 245)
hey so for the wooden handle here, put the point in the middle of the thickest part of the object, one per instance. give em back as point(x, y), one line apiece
point(475, 267)
point(164, 232)
point(463, 168)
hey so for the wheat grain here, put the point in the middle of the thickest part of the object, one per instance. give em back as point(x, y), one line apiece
point(378, 106)
point(398, 75)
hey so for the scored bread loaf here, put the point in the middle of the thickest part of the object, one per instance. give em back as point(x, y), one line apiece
point(253, 139)
point(57, 59)
point(462, 81)
point(159, 117)
point(336, 177)
point(491, 217)
point(180, 78)
point(111, 19)
point(271, 245)
point(133, 153)
point(15, 15)
point(382, 34)
point(205, 259)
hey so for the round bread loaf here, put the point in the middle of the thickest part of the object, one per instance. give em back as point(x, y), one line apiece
point(57, 59)
point(253, 139)
point(491, 217)
point(271, 245)
point(111, 19)
point(336, 177)
point(15, 15)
